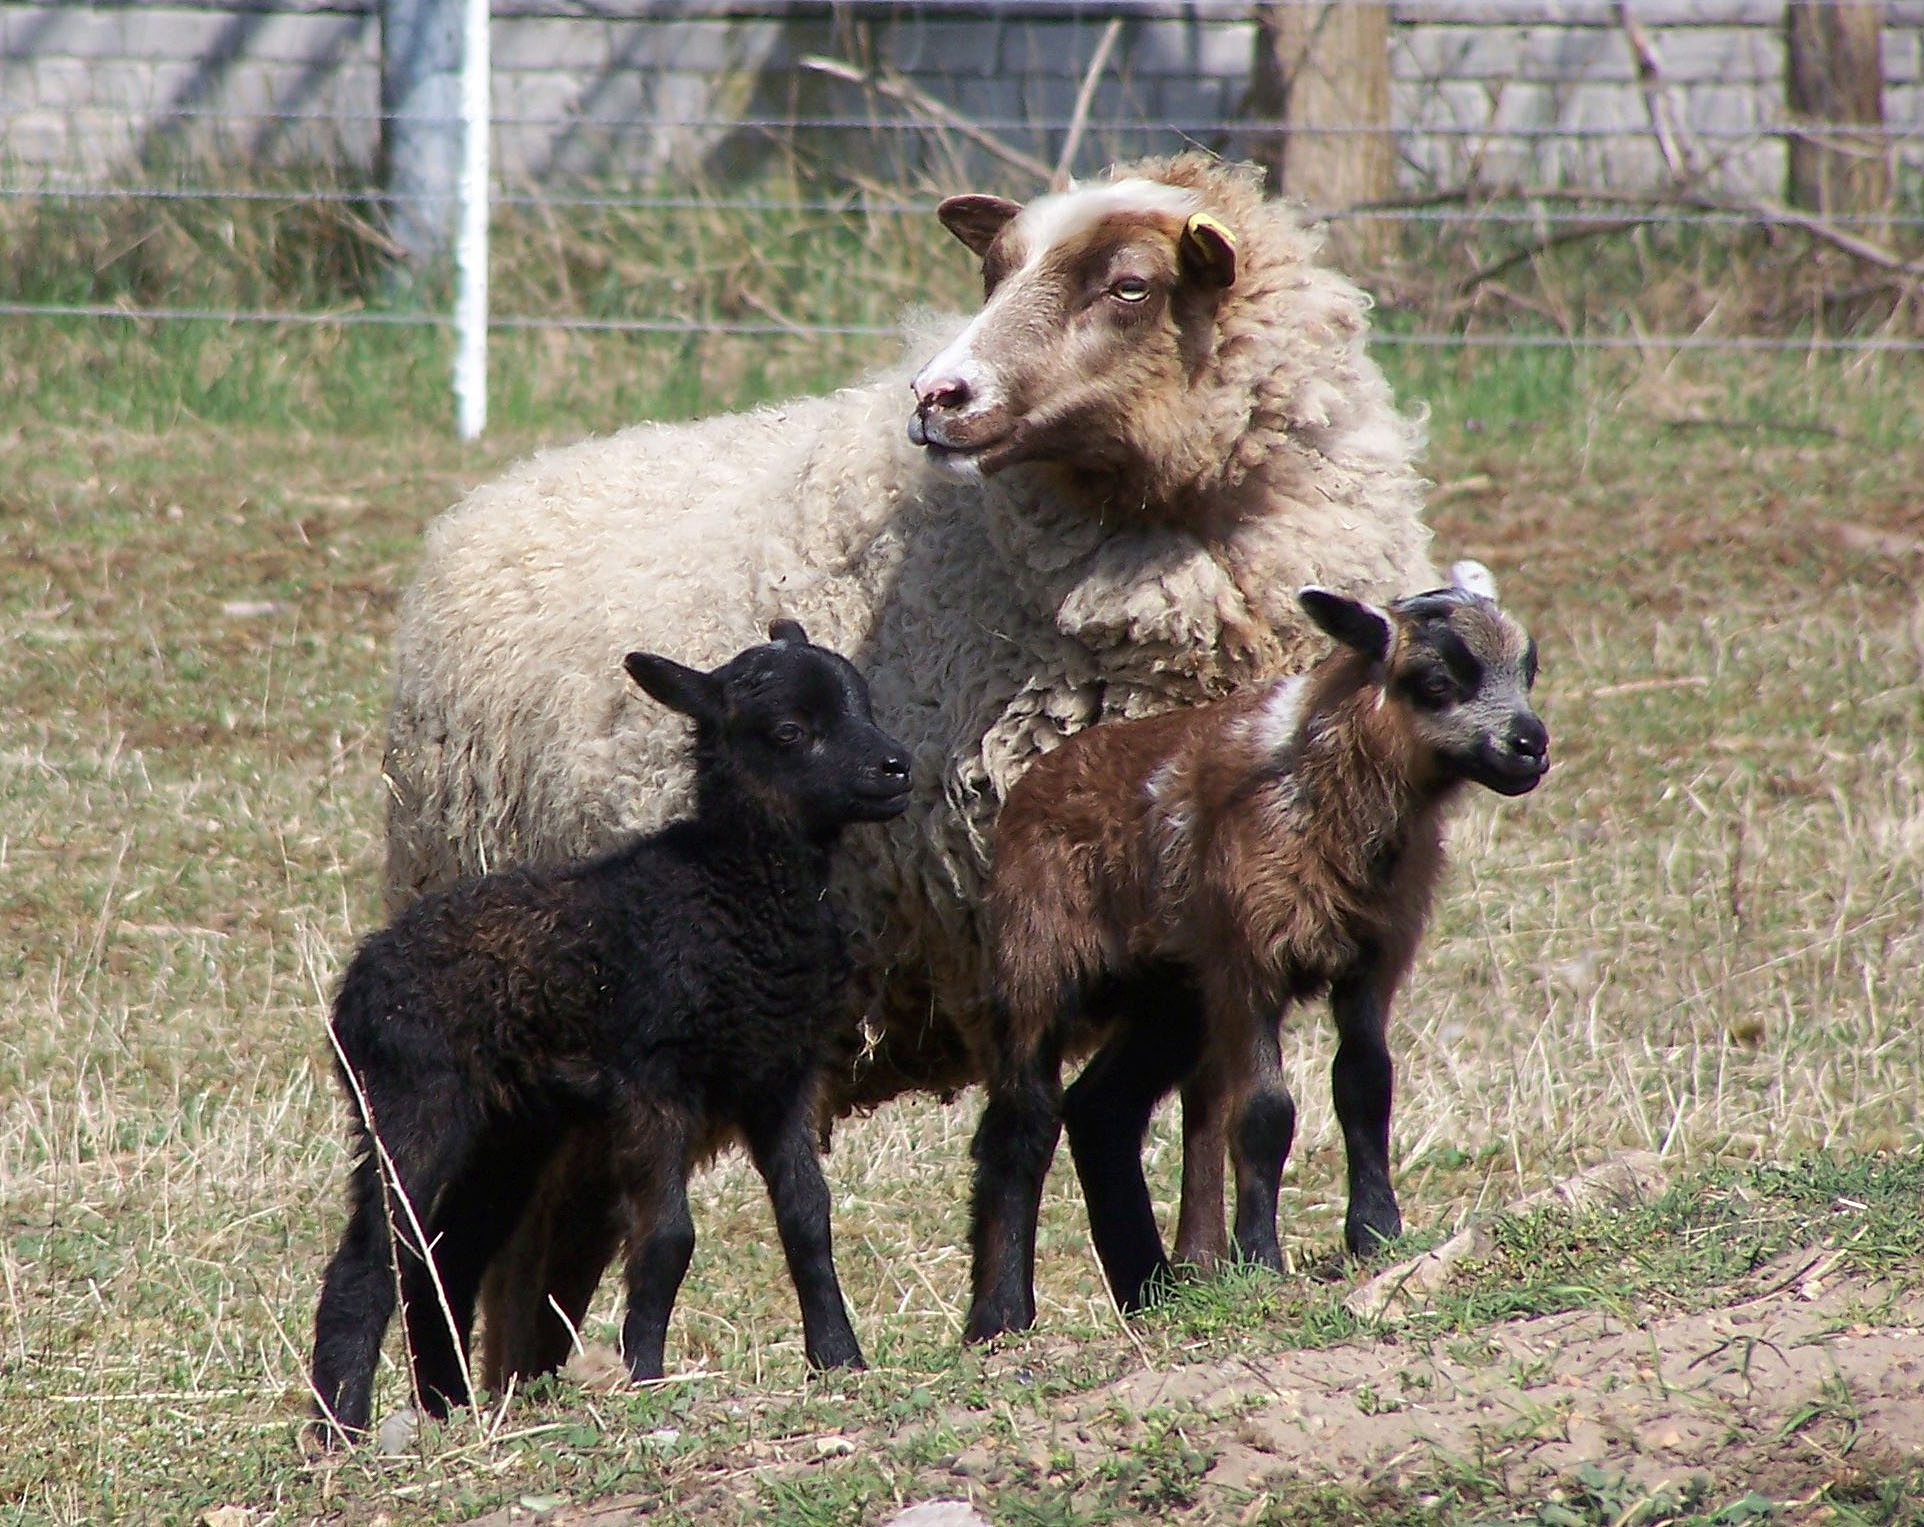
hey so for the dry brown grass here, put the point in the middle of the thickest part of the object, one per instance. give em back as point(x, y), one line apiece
point(1701, 937)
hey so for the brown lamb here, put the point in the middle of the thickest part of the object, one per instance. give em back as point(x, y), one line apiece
point(1175, 883)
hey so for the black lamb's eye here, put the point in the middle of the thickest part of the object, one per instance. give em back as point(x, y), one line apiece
point(788, 734)
point(1435, 689)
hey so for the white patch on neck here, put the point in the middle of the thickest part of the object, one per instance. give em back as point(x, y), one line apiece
point(1274, 724)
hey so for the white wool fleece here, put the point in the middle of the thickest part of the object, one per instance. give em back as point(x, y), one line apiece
point(992, 619)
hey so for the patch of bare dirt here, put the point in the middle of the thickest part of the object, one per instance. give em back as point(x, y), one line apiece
point(1796, 1374)
point(1814, 1379)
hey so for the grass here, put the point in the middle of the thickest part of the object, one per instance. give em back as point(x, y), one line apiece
point(1702, 937)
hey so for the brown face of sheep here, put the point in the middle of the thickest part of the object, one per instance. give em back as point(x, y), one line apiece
point(1099, 305)
point(1460, 670)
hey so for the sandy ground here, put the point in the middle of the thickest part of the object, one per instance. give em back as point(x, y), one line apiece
point(1759, 1389)
point(1809, 1380)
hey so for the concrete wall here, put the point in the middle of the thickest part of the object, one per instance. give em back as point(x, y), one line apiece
point(1541, 91)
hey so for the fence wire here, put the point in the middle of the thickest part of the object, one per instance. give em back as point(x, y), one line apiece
point(1522, 123)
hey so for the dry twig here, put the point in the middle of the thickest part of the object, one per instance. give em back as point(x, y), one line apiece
point(904, 93)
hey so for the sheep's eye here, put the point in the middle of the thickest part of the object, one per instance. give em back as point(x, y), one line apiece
point(788, 734)
point(1130, 289)
point(1435, 688)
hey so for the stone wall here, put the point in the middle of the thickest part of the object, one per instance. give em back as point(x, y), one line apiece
point(1541, 91)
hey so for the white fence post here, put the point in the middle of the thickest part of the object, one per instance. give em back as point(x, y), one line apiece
point(471, 247)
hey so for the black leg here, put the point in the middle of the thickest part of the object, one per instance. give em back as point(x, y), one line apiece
point(426, 1136)
point(357, 1301)
point(661, 1243)
point(1013, 1146)
point(1107, 1112)
point(1259, 1142)
point(559, 1250)
point(472, 1220)
point(783, 1145)
point(1361, 1080)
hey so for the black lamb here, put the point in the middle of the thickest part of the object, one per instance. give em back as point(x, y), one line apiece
point(686, 988)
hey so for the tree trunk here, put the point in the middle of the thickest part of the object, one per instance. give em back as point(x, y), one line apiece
point(1322, 75)
point(1836, 82)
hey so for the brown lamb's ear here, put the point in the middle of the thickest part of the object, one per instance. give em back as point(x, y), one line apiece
point(977, 219)
point(1208, 251)
point(787, 631)
point(687, 690)
point(1359, 626)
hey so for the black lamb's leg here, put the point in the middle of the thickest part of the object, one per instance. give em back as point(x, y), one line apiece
point(662, 1242)
point(1013, 1146)
point(472, 1220)
point(1361, 1079)
point(357, 1301)
point(565, 1240)
point(1106, 1113)
point(782, 1143)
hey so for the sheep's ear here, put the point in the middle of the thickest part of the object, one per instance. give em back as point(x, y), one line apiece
point(687, 690)
point(1208, 251)
point(1473, 578)
point(787, 631)
point(977, 219)
point(1355, 624)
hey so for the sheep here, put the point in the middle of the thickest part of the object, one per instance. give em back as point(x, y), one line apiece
point(1162, 416)
point(682, 988)
point(1177, 882)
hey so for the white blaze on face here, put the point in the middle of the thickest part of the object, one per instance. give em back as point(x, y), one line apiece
point(1045, 224)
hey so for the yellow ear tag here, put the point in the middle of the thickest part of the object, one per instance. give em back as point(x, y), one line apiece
point(1202, 220)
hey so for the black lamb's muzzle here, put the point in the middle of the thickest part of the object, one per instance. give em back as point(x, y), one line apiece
point(886, 789)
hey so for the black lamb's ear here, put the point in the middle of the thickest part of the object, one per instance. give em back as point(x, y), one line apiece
point(1359, 626)
point(977, 219)
point(787, 631)
point(687, 690)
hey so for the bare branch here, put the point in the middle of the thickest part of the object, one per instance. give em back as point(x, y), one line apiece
point(1079, 118)
point(904, 93)
point(1676, 151)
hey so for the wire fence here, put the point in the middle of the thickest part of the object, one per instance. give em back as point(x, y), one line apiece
point(1518, 128)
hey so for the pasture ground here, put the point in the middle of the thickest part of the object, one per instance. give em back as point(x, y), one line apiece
point(1701, 938)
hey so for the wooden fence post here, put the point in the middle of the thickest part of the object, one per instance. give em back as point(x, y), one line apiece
point(1322, 75)
point(1835, 82)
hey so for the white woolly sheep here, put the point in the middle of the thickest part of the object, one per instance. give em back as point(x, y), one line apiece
point(1162, 419)
point(1177, 882)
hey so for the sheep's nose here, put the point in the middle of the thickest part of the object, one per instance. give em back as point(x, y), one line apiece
point(944, 392)
point(895, 766)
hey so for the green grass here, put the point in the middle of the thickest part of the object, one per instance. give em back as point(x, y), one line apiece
point(1701, 937)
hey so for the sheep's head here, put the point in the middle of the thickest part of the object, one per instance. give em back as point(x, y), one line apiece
point(1457, 672)
point(788, 725)
point(1099, 308)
